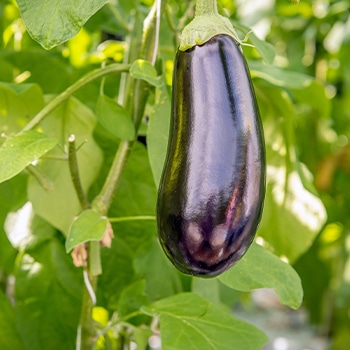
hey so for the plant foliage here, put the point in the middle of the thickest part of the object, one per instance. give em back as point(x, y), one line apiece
point(84, 118)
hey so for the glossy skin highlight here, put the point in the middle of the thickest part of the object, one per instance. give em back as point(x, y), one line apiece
point(212, 190)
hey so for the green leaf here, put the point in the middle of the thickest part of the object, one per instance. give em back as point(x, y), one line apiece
point(18, 89)
point(261, 269)
point(207, 288)
point(292, 216)
point(47, 70)
point(53, 22)
point(266, 50)
point(20, 150)
point(118, 272)
point(114, 118)
point(19, 103)
point(88, 226)
point(153, 264)
point(48, 294)
point(314, 97)
point(139, 198)
point(144, 70)
point(279, 77)
point(9, 336)
point(132, 298)
point(60, 206)
point(158, 134)
point(188, 321)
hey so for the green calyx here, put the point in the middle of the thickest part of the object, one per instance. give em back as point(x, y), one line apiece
point(206, 24)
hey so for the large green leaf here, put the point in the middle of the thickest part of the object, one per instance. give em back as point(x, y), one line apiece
point(207, 288)
point(136, 195)
point(187, 321)
point(48, 295)
point(279, 77)
point(153, 264)
point(132, 299)
point(261, 269)
point(291, 219)
point(266, 50)
point(9, 336)
point(53, 22)
point(114, 118)
point(18, 151)
point(118, 272)
point(314, 97)
point(293, 213)
point(158, 134)
point(18, 104)
point(61, 205)
point(41, 68)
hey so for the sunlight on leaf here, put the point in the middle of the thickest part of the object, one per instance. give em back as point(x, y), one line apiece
point(261, 269)
point(293, 216)
point(60, 206)
point(144, 70)
point(187, 321)
point(279, 77)
point(20, 150)
point(53, 22)
point(18, 104)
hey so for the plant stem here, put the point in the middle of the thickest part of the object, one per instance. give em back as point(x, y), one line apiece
point(103, 201)
point(94, 265)
point(86, 79)
point(43, 181)
point(206, 7)
point(132, 218)
point(74, 172)
point(87, 336)
point(138, 103)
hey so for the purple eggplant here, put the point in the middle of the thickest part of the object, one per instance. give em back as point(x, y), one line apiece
point(212, 190)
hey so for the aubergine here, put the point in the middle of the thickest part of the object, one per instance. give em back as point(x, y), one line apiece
point(212, 190)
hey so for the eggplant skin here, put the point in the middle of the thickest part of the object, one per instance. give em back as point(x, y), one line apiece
point(212, 190)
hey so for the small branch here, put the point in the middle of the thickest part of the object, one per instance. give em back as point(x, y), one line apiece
point(103, 201)
point(119, 17)
point(86, 336)
point(139, 97)
point(74, 172)
point(94, 264)
point(137, 102)
point(43, 181)
point(86, 79)
point(132, 218)
point(122, 321)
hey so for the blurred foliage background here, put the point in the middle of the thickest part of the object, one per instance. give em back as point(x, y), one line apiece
point(304, 97)
point(313, 38)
